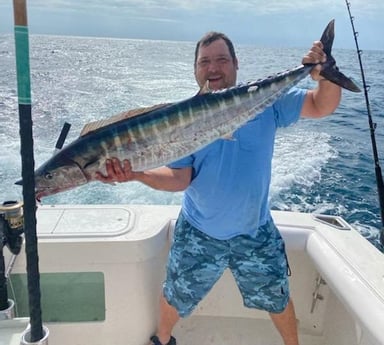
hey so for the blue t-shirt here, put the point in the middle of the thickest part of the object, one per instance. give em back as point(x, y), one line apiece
point(228, 194)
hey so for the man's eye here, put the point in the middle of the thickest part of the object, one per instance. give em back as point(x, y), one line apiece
point(203, 63)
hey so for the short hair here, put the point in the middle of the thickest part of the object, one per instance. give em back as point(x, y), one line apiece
point(212, 36)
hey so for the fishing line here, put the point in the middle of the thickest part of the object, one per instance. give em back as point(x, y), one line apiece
point(372, 126)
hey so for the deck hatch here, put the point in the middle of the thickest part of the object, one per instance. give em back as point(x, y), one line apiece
point(334, 221)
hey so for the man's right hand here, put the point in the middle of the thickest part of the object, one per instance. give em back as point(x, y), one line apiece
point(117, 171)
point(162, 178)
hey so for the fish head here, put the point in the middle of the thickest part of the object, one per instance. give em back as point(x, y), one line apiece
point(58, 174)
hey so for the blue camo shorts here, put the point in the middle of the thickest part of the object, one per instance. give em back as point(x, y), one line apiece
point(196, 261)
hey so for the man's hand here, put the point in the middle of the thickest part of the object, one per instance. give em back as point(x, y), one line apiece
point(116, 171)
point(162, 178)
point(316, 56)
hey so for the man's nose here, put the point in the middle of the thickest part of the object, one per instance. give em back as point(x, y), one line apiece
point(213, 66)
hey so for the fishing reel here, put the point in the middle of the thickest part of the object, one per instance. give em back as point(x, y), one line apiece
point(11, 225)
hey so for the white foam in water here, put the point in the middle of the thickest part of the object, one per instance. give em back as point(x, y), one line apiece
point(299, 156)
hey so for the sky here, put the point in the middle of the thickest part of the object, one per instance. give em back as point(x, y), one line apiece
point(276, 23)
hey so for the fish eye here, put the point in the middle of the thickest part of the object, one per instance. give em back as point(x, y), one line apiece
point(48, 176)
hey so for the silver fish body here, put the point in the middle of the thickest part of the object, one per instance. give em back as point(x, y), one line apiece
point(166, 133)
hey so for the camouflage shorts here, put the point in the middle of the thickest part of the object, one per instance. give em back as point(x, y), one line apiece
point(196, 261)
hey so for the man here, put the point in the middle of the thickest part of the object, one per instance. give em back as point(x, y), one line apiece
point(225, 221)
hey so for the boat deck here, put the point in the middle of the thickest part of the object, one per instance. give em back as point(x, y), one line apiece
point(202, 330)
point(209, 330)
point(127, 247)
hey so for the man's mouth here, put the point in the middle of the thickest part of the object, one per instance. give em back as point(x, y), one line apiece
point(214, 82)
point(214, 79)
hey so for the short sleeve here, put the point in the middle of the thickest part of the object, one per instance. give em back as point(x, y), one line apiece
point(182, 163)
point(287, 108)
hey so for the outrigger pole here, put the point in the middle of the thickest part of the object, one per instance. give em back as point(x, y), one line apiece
point(372, 127)
point(35, 334)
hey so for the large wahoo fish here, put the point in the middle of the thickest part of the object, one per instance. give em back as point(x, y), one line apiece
point(152, 137)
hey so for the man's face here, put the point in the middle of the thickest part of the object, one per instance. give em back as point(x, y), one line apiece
point(215, 64)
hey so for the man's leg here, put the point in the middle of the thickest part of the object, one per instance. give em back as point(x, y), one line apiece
point(168, 319)
point(286, 324)
point(190, 275)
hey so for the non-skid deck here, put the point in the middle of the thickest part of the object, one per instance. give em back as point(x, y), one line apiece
point(208, 330)
point(11, 331)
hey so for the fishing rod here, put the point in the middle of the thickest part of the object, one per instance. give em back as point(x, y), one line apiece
point(34, 333)
point(372, 127)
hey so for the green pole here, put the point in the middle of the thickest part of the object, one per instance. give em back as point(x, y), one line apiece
point(27, 166)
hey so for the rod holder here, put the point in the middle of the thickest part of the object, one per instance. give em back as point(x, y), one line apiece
point(9, 313)
point(26, 337)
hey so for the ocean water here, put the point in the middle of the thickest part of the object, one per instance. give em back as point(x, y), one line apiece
point(323, 166)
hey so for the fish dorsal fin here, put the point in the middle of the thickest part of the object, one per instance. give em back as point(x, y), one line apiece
point(205, 89)
point(92, 126)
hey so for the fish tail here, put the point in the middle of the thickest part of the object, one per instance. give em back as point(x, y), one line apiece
point(329, 69)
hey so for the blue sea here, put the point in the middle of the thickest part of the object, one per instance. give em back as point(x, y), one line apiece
point(324, 166)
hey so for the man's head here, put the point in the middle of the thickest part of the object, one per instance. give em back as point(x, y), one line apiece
point(215, 61)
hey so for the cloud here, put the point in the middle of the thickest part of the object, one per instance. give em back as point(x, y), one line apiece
point(181, 10)
point(269, 22)
point(259, 7)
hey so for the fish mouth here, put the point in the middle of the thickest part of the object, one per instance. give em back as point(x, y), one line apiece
point(43, 192)
point(38, 195)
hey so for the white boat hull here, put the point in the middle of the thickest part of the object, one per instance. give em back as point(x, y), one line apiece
point(127, 246)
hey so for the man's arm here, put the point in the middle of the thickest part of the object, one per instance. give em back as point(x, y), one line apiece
point(326, 97)
point(163, 178)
